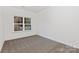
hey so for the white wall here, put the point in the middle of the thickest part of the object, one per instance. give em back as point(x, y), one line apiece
point(60, 24)
point(8, 16)
point(1, 29)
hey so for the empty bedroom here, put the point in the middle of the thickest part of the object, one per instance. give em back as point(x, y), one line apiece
point(39, 29)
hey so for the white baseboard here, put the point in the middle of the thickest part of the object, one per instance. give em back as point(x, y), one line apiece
point(19, 37)
point(75, 46)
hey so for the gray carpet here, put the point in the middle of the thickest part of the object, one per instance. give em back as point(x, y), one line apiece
point(36, 44)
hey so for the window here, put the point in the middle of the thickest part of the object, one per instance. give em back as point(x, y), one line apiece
point(21, 24)
point(27, 23)
point(18, 23)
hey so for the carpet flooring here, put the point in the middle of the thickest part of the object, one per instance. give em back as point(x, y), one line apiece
point(36, 44)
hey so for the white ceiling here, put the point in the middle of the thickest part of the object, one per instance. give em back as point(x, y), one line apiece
point(34, 9)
